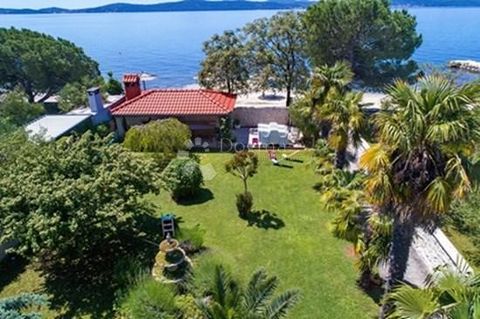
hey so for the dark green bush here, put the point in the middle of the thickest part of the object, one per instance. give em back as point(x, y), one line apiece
point(148, 298)
point(191, 239)
point(244, 203)
point(15, 108)
point(465, 219)
point(183, 178)
point(19, 307)
point(112, 85)
point(162, 160)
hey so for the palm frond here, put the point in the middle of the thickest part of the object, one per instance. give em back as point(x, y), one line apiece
point(412, 303)
point(375, 158)
point(259, 290)
point(281, 305)
point(439, 195)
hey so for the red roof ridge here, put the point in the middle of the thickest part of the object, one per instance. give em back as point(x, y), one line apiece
point(127, 103)
point(202, 91)
point(223, 102)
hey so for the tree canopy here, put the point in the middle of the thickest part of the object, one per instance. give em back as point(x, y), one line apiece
point(112, 85)
point(265, 54)
point(62, 199)
point(314, 109)
point(74, 95)
point(15, 109)
point(39, 64)
point(375, 40)
point(422, 161)
point(167, 136)
point(278, 58)
point(225, 66)
point(211, 292)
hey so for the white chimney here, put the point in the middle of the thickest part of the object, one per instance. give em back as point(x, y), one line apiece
point(95, 100)
point(100, 114)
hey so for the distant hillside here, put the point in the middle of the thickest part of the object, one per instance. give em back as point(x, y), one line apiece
point(188, 5)
point(438, 3)
point(201, 5)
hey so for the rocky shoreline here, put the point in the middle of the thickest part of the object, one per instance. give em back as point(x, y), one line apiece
point(467, 65)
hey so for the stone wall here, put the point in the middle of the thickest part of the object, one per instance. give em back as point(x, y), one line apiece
point(430, 251)
point(251, 116)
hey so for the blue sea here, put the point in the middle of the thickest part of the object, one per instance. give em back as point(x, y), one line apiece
point(169, 44)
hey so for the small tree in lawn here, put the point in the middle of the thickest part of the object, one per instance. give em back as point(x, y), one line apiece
point(244, 165)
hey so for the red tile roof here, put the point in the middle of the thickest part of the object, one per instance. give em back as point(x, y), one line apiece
point(171, 102)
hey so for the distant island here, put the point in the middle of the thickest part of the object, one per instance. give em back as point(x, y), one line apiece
point(201, 5)
point(187, 5)
point(437, 3)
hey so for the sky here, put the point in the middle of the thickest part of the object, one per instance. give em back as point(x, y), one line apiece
point(69, 4)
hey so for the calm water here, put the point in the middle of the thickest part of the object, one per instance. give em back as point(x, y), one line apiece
point(169, 43)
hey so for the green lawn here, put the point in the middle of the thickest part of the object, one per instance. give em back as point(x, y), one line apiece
point(292, 242)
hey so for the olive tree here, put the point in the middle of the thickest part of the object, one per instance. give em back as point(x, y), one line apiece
point(244, 165)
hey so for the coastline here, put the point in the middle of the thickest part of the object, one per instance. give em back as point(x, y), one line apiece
point(201, 6)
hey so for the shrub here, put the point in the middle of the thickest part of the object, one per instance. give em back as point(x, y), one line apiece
point(73, 95)
point(183, 178)
point(113, 86)
point(149, 299)
point(464, 218)
point(76, 179)
point(19, 307)
point(202, 275)
point(125, 273)
point(244, 203)
point(167, 136)
point(225, 131)
point(188, 306)
point(191, 239)
point(15, 108)
point(162, 160)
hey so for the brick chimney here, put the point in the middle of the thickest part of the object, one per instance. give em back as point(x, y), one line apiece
point(131, 83)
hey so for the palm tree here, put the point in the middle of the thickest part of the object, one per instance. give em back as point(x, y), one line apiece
point(426, 135)
point(340, 188)
point(374, 247)
point(367, 229)
point(447, 295)
point(346, 120)
point(227, 300)
point(224, 298)
point(324, 79)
